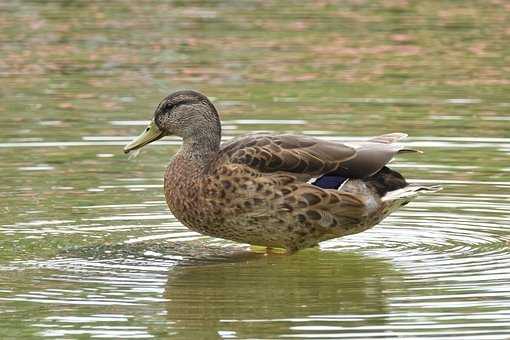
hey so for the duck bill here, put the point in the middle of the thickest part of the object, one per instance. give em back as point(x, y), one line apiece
point(150, 134)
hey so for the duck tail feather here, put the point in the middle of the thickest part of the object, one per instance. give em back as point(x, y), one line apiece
point(403, 150)
point(388, 138)
point(410, 192)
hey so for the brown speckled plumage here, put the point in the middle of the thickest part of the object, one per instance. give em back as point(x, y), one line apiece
point(254, 189)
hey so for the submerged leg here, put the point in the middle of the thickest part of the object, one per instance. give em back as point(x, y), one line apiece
point(271, 250)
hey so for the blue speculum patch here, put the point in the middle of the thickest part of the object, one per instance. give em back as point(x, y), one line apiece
point(329, 181)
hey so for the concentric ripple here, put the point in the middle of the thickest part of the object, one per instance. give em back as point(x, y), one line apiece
point(103, 257)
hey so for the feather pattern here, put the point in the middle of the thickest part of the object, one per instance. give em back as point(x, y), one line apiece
point(256, 191)
point(289, 153)
point(285, 190)
point(311, 156)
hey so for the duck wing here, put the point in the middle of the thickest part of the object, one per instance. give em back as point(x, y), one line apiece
point(312, 157)
point(372, 155)
point(287, 153)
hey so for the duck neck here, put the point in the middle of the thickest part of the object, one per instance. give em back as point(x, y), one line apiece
point(201, 147)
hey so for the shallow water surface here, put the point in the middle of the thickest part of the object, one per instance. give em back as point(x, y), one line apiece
point(88, 248)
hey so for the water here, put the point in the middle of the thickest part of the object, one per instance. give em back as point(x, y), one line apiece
point(89, 249)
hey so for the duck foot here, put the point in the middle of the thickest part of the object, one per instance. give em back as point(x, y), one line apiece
point(277, 251)
point(270, 250)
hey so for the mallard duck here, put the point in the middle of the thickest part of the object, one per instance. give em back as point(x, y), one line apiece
point(274, 190)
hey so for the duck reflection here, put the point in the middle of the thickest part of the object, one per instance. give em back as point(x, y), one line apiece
point(248, 297)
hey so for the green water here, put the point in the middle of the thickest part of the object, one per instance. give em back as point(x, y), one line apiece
point(88, 248)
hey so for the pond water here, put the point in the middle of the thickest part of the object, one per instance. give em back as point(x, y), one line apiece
point(88, 247)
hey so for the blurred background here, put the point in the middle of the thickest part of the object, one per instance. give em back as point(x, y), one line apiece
point(88, 247)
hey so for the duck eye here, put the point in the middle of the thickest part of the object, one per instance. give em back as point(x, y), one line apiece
point(167, 107)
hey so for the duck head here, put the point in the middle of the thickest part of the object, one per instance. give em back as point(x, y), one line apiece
point(187, 114)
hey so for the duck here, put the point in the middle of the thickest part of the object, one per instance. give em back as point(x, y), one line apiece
point(278, 191)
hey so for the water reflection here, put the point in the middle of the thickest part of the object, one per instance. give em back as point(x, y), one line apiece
point(244, 298)
point(88, 248)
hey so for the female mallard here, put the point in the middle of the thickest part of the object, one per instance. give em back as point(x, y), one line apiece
point(285, 190)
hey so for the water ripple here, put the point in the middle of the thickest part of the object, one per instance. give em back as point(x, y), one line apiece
point(440, 263)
